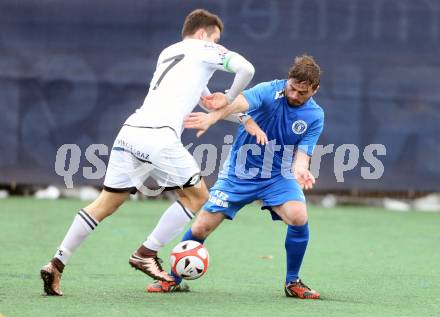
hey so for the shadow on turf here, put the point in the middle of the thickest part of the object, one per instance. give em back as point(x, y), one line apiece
point(342, 300)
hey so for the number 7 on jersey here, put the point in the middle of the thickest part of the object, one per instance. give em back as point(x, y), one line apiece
point(175, 60)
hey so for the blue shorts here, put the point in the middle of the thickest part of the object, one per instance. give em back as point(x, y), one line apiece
point(228, 196)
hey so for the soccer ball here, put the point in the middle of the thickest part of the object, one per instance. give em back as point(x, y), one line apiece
point(189, 259)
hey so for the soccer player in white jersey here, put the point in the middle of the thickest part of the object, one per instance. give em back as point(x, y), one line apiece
point(149, 145)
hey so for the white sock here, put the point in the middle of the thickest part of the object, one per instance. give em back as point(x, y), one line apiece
point(80, 229)
point(171, 223)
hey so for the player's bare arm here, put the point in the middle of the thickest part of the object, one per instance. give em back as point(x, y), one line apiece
point(202, 121)
point(239, 118)
point(244, 71)
point(254, 129)
point(301, 170)
point(249, 124)
point(239, 104)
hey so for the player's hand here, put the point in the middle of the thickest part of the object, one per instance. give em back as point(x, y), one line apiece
point(215, 101)
point(304, 178)
point(253, 129)
point(200, 121)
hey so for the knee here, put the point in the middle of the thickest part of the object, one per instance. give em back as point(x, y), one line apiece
point(197, 200)
point(100, 212)
point(203, 197)
point(297, 216)
point(110, 206)
point(114, 205)
point(106, 204)
point(201, 230)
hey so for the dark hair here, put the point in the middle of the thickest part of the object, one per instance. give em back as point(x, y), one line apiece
point(201, 18)
point(305, 69)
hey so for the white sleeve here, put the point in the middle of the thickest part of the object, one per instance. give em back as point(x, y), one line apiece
point(220, 58)
point(233, 117)
point(216, 56)
point(244, 71)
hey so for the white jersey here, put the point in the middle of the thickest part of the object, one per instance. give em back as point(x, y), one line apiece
point(182, 72)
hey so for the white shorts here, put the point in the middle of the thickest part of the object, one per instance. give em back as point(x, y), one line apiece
point(140, 153)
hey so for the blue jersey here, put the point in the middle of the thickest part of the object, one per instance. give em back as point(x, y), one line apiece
point(288, 128)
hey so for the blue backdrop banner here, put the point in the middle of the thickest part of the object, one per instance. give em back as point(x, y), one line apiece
point(72, 71)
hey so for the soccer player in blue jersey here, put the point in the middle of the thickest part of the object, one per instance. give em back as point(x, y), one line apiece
point(275, 173)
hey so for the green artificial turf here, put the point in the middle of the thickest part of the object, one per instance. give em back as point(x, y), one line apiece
point(363, 261)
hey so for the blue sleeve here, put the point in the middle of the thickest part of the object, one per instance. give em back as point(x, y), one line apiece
point(310, 138)
point(256, 95)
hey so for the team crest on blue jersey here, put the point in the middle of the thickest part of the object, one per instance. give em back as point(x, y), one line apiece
point(299, 127)
point(279, 94)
